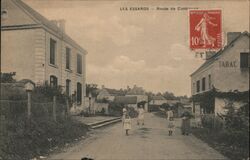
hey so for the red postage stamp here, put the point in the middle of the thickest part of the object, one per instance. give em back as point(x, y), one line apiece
point(205, 29)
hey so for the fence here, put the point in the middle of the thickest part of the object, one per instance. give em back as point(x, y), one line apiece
point(212, 122)
point(12, 111)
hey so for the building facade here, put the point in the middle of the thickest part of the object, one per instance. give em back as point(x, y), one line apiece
point(40, 50)
point(225, 71)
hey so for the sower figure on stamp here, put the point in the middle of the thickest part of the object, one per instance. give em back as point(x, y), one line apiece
point(140, 118)
point(203, 28)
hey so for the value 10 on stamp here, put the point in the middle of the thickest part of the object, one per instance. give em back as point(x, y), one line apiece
point(205, 29)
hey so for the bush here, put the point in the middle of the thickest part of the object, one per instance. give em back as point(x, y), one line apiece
point(237, 126)
point(212, 122)
point(115, 109)
point(231, 136)
point(26, 140)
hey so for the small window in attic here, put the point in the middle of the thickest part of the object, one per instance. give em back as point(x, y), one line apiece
point(4, 14)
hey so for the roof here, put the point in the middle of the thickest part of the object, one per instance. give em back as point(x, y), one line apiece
point(126, 99)
point(136, 91)
point(47, 23)
point(212, 59)
point(109, 91)
point(113, 91)
point(158, 98)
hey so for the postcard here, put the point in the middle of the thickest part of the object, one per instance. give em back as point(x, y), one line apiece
point(124, 79)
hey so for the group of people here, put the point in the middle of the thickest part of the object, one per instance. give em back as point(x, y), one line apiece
point(126, 120)
point(185, 125)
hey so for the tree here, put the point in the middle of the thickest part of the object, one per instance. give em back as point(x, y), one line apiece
point(92, 88)
point(8, 77)
point(169, 95)
point(150, 95)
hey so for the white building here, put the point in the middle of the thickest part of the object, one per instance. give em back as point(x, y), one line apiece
point(40, 50)
point(227, 71)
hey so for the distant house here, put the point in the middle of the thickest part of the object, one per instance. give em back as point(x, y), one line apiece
point(140, 94)
point(130, 101)
point(172, 102)
point(183, 106)
point(157, 100)
point(225, 74)
point(108, 94)
point(39, 49)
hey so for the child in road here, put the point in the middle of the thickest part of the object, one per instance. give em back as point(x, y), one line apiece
point(127, 123)
point(171, 126)
point(170, 118)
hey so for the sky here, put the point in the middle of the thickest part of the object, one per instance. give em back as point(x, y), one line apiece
point(149, 48)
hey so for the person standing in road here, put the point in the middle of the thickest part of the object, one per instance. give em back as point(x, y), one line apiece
point(124, 111)
point(140, 118)
point(127, 123)
point(185, 125)
point(170, 119)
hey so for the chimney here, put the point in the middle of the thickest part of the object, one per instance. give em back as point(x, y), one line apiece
point(231, 36)
point(60, 24)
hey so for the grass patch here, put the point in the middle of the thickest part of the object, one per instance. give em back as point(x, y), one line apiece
point(24, 141)
point(219, 140)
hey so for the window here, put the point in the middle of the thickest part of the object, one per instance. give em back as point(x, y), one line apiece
point(193, 88)
point(198, 86)
point(244, 60)
point(53, 81)
point(79, 63)
point(209, 81)
point(203, 84)
point(4, 14)
point(68, 58)
point(68, 87)
point(52, 51)
point(79, 93)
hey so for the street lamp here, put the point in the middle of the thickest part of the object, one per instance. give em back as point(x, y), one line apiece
point(90, 96)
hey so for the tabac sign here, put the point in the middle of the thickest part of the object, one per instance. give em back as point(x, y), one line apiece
point(205, 29)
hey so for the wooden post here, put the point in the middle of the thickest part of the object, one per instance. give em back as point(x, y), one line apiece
point(54, 108)
point(2, 125)
point(29, 104)
point(89, 104)
point(67, 107)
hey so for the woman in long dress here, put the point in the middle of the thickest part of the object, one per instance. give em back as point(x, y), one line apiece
point(185, 125)
point(140, 118)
